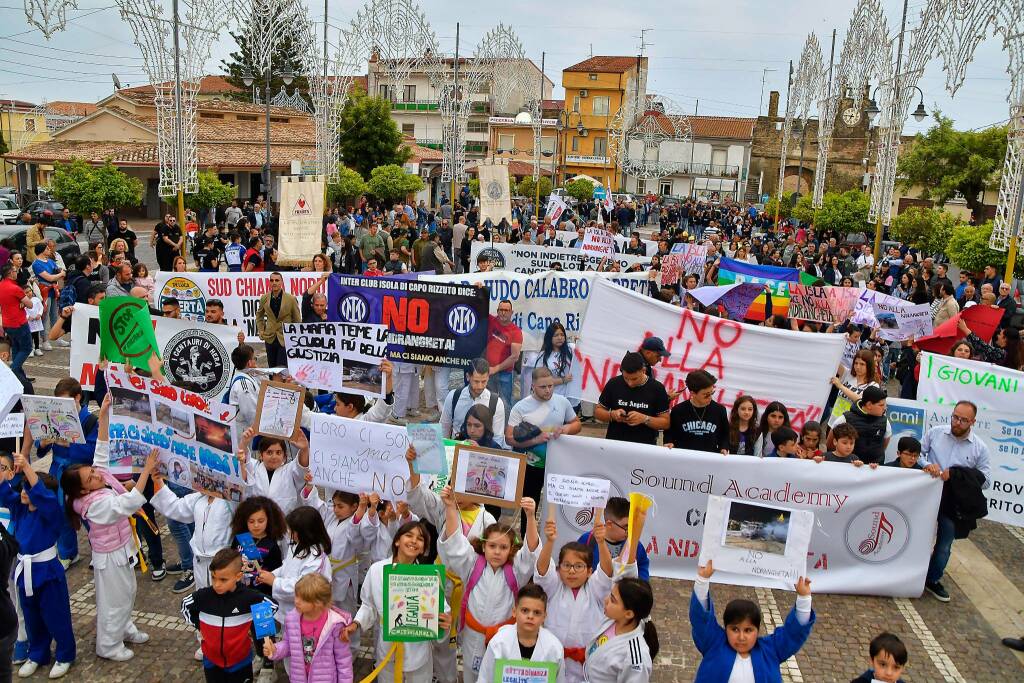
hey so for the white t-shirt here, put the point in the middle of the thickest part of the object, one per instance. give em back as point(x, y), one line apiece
point(34, 315)
point(547, 415)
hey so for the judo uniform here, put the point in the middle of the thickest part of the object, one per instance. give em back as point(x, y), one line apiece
point(505, 645)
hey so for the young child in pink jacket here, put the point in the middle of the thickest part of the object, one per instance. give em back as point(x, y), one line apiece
point(311, 636)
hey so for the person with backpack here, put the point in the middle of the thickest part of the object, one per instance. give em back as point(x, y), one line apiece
point(458, 402)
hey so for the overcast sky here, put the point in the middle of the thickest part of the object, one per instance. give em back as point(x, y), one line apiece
point(703, 54)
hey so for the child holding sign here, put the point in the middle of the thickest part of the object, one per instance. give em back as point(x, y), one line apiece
point(308, 553)
point(627, 642)
point(492, 569)
point(577, 593)
point(737, 647)
point(527, 639)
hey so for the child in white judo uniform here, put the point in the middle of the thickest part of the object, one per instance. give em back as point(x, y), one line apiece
point(526, 639)
point(308, 553)
point(271, 475)
point(492, 571)
point(627, 643)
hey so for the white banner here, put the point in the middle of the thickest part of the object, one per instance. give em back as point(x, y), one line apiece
point(901, 322)
point(358, 456)
point(301, 218)
point(650, 246)
point(874, 529)
point(199, 353)
point(556, 207)
point(239, 292)
point(534, 258)
point(598, 241)
point(945, 379)
point(495, 200)
point(1003, 433)
point(329, 355)
point(766, 363)
point(543, 298)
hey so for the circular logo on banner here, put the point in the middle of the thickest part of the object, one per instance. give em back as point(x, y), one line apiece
point(197, 359)
point(189, 296)
point(495, 257)
point(582, 519)
point(877, 534)
point(461, 319)
point(353, 309)
point(494, 190)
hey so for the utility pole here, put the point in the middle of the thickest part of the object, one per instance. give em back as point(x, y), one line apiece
point(537, 125)
point(893, 104)
point(764, 74)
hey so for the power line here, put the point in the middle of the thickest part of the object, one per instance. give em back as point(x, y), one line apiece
point(68, 71)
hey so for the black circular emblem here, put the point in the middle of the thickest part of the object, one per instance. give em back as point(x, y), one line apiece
point(495, 257)
point(196, 359)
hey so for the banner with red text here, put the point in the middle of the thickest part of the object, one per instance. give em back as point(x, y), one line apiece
point(873, 529)
point(766, 363)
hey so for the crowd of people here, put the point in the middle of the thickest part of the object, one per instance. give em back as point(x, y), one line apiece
point(588, 610)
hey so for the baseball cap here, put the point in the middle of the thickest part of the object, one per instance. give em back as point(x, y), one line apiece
point(655, 344)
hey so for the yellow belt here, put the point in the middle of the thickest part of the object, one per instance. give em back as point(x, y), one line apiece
point(396, 651)
point(338, 565)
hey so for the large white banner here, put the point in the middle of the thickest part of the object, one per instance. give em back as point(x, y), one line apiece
point(1001, 430)
point(358, 456)
point(766, 363)
point(534, 258)
point(945, 379)
point(874, 529)
point(301, 218)
point(239, 292)
point(650, 246)
point(495, 200)
point(543, 298)
point(197, 353)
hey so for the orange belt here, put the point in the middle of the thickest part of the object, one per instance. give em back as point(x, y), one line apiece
point(577, 654)
point(487, 631)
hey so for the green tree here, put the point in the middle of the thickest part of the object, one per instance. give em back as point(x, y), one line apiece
point(926, 229)
point(580, 188)
point(84, 188)
point(968, 248)
point(211, 192)
point(391, 183)
point(844, 213)
point(944, 162)
point(285, 54)
point(349, 186)
point(804, 209)
point(369, 137)
point(785, 208)
point(528, 188)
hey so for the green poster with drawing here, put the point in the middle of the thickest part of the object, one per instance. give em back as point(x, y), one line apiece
point(413, 601)
point(126, 331)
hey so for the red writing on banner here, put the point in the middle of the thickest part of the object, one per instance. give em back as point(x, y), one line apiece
point(402, 314)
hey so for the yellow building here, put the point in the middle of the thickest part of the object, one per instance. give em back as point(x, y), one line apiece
point(21, 124)
point(594, 91)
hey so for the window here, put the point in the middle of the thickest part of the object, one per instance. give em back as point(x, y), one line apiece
point(386, 92)
point(576, 103)
point(600, 147)
point(210, 115)
point(409, 129)
point(409, 93)
point(666, 187)
point(593, 77)
point(30, 125)
point(506, 142)
point(601, 105)
point(279, 119)
point(246, 117)
point(641, 186)
point(476, 126)
point(719, 157)
point(575, 144)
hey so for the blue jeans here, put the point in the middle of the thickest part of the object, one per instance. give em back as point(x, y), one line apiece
point(21, 347)
point(50, 314)
point(502, 383)
point(941, 552)
point(181, 533)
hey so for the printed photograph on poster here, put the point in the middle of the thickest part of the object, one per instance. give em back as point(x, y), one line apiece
point(53, 419)
point(756, 527)
point(362, 378)
point(210, 482)
point(413, 601)
point(488, 476)
point(213, 434)
point(132, 404)
point(127, 456)
point(176, 418)
point(279, 409)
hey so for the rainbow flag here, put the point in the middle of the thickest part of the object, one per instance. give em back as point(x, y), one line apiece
point(779, 278)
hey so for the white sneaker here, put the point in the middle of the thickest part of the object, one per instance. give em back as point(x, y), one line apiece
point(27, 669)
point(46, 346)
point(267, 676)
point(64, 343)
point(59, 669)
point(199, 653)
point(37, 352)
point(122, 655)
point(138, 639)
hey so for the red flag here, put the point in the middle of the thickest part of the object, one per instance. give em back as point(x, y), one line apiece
point(982, 321)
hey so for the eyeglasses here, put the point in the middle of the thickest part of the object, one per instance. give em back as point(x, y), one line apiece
point(5, 468)
point(577, 567)
point(962, 420)
point(614, 523)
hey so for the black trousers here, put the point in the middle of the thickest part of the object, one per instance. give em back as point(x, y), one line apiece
point(215, 674)
point(276, 357)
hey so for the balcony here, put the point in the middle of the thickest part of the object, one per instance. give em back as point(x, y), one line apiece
point(417, 105)
point(586, 160)
point(709, 170)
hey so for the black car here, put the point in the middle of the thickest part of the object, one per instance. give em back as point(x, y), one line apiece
point(38, 208)
point(67, 247)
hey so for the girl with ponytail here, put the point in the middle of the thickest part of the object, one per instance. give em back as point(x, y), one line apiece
point(627, 643)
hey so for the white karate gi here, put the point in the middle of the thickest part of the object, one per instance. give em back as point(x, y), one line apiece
point(287, 575)
point(505, 645)
point(624, 658)
point(212, 517)
point(285, 488)
point(346, 544)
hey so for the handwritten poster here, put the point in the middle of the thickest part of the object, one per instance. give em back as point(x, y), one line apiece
point(413, 601)
point(336, 356)
point(53, 419)
point(429, 445)
point(12, 426)
point(278, 409)
point(598, 241)
point(584, 492)
point(358, 456)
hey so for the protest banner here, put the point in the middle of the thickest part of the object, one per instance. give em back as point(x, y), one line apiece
point(413, 601)
point(10, 389)
point(555, 208)
point(694, 258)
point(239, 292)
point(323, 355)
point(358, 456)
point(53, 419)
point(946, 380)
point(534, 258)
point(598, 241)
point(195, 437)
point(429, 323)
point(621, 241)
point(488, 476)
point(524, 671)
point(495, 198)
point(810, 303)
point(874, 529)
point(766, 363)
point(126, 331)
point(198, 353)
point(731, 271)
point(12, 426)
point(672, 269)
point(278, 409)
point(431, 457)
point(1001, 430)
point(300, 221)
point(543, 298)
point(583, 492)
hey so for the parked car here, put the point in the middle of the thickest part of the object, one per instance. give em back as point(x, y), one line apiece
point(9, 192)
point(9, 210)
point(67, 247)
point(38, 208)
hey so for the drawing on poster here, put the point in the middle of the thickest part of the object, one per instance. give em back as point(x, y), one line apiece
point(489, 476)
point(756, 527)
point(279, 409)
point(133, 404)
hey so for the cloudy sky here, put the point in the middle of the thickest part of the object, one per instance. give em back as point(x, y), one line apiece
point(705, 55)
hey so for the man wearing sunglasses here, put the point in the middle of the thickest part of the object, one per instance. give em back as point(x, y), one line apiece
point(943, 448)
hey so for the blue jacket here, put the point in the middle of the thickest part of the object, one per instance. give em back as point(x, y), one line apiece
point(643, 563)
point(767, 655)
point(36, 531)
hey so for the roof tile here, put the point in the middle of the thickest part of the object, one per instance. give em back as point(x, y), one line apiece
point(604, 64)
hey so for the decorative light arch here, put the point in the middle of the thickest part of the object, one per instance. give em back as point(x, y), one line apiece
point(803, 94)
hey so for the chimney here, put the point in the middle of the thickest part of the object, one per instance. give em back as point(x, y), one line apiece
point(773, 105)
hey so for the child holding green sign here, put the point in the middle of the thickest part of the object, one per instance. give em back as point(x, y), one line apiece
point(526, 645)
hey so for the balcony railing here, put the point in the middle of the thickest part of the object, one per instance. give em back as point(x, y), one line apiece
point(709, 170)
point(417, 105)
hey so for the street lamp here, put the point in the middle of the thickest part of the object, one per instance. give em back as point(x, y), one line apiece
point(872, 110)
point(287, 76)
point(563, 122)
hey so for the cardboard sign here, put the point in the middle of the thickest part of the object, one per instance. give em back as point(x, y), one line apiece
point(524, 671)
point(279, 409)
point(598, 241)
point(53, 419)
point(12, 426)
point(488, 476)
point(429, 444)
point(358, 456)
point(413, 601)
point(584, 492)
